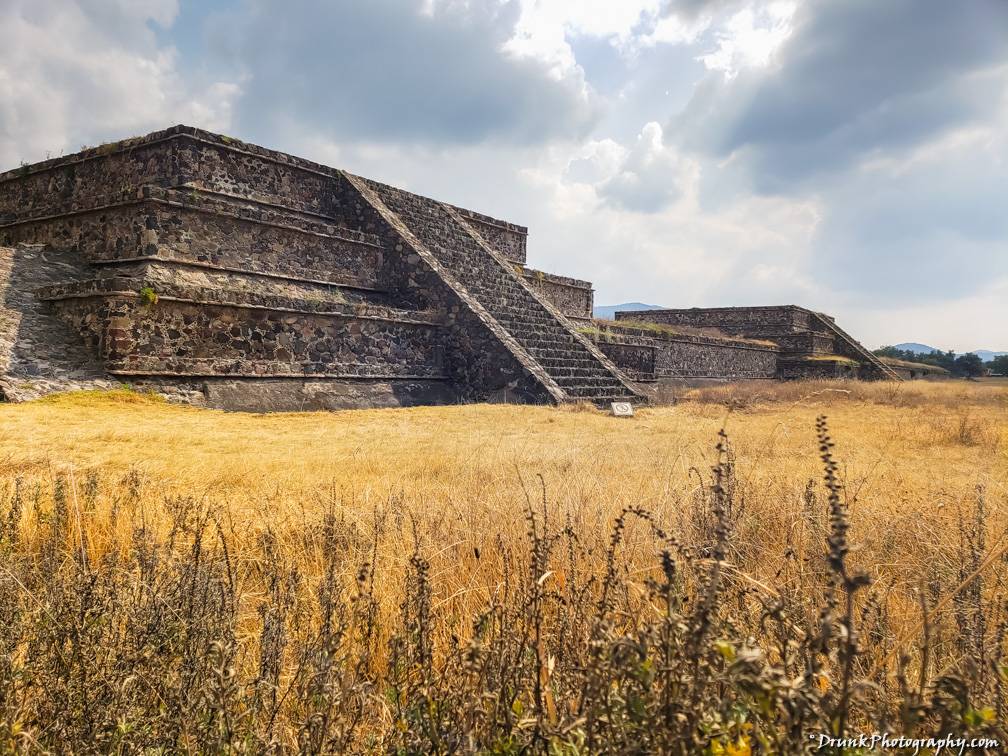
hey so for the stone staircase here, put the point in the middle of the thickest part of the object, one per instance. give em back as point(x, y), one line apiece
point(570, 366)
point(865, 354)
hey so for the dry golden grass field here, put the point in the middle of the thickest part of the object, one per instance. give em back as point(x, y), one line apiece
point(435, 517)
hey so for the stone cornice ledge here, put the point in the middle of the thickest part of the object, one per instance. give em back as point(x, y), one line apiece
point(129, 288)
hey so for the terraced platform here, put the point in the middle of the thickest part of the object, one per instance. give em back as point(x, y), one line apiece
point(264, 281)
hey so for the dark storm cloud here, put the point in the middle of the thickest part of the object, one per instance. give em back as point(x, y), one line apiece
point(855, 77)
point(384, 70)
point(867, 109)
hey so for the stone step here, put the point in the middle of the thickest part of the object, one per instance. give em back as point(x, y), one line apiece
point(538, 329)
point(610, 392)
point(526, 316)
point(529, 321)
point(582, 381)
point(544, 336)
point(549, 342)
point(566, 351)
point(560, 363)
point(553, 349)
point(571, 363)
point(569, 371)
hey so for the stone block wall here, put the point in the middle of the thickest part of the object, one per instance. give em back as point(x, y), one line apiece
point(806, 343)
point(685, 356)
point(636, 356)
point(191, 336)
point(798, 332)
point(573, 297)
point(201, 230)
point(89, 179)
point(751, 322)
point(818, 369)
point(177, 157)
point(507, 238)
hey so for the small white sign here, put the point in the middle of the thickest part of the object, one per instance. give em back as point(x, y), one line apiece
point(621, 409)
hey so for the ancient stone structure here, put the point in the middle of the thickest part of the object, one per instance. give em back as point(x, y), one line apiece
point(910, 371)
point(239, 277)
point(229, 275)
point(737, 343)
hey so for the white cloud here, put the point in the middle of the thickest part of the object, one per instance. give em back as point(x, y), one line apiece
point(676, 30)
point(962, 324)
point(595, 18)
point(750, 37)
point(828, 156)
point(891, 117)
point(673, 252)
point(645, 177)
point(73, 73)
point(546, 27)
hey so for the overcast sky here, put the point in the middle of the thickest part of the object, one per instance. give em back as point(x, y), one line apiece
point(845, 155)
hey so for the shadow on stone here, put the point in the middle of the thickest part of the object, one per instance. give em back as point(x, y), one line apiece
point(39, 354)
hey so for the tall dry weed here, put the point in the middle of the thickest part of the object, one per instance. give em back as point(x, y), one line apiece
point(655, 632)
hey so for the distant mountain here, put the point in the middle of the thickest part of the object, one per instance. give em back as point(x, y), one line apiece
point(608, 312)
point(913, 346)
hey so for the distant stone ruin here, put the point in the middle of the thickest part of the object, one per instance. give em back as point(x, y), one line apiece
point(228, 275)
point(736, 343)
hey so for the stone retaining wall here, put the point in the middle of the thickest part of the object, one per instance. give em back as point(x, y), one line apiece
point(507, 238)
point(754, 322)
point(818, 369)
point(305, 395)
point(201, 229)
point(636, 358)
point(571, 296)
point(681, 357)
point(806, 343)
point(192, 337)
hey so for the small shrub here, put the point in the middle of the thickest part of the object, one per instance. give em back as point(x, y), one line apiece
point(962, 428)
point(148, 297)
point(976, 431)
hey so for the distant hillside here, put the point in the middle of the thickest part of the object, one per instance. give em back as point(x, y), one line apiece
point(608, 312)
point(912, 346)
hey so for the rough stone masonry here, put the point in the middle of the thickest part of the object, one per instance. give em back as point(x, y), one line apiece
point(228, 275)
